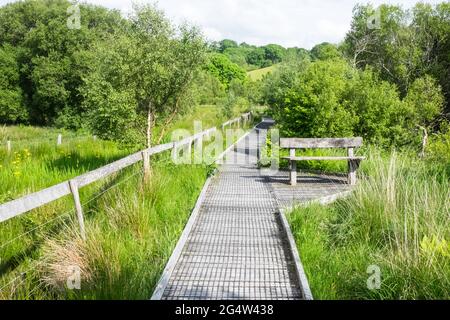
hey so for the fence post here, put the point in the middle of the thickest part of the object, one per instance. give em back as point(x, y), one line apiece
point(76, 198)
point(8, 146)
point(146, 164)
point(198, 149)
point(59, 140)
point(352, 165)
point(293, 164)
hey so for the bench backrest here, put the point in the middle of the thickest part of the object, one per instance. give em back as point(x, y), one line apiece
point(313, 143)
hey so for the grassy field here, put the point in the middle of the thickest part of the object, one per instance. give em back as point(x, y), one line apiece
point(396, 220)
point(131, 227)
point(258, 74)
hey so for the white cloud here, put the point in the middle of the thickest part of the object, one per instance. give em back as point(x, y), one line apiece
point(301, 23)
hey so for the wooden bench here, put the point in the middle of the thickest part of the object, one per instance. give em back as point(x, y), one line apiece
point(321, 143)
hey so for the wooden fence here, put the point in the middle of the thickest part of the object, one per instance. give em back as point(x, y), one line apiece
point(58, 141)
point(246, 117)
point(37, 199)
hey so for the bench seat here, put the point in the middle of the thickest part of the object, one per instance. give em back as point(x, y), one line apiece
point(324, 158)
point(322, 143)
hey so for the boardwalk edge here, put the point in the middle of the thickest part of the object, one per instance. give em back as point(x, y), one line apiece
point(164, 280)
point(306, 290)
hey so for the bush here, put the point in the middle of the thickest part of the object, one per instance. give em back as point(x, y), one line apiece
point(314, 105)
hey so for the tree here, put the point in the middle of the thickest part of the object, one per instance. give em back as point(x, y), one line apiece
point(223, 69)
point(12, 109)
point(425, 101)
point(314, 105)
point(143, 76)
point(257, 57)
point(377, 107)
point(325, 51)
point(274, 53)
point(49, 71)
point(226, 44)
point(406, 45)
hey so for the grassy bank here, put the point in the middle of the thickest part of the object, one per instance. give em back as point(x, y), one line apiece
point(397, 219)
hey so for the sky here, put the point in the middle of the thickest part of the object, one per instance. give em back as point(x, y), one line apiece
point(300, 23)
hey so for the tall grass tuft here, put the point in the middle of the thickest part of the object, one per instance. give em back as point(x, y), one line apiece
point(397, 218)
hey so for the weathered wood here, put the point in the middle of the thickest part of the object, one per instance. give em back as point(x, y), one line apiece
point(105, 171)
point(304, 143)
point(78, 208)
point(32, 201)
point(293, 174)
point(352, 166)
point(323, 158)
point(59, 140)
point(8, 146)
point(146, 165)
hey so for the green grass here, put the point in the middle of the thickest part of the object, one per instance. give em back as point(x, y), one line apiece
point(131, 227)
point(29, 134)
point(258, 74)
point(397, 218)
point(131, 232)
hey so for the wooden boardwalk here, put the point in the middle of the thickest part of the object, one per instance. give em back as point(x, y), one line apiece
point(237, 245)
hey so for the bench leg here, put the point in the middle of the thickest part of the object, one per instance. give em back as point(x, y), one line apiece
point(352, 166)
point(293, 174)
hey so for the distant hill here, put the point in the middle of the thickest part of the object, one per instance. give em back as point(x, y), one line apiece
point(258, 74)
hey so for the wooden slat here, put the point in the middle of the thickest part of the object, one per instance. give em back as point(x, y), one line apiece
point(32, 201)
point(303, 143)
point(323, 158)
point(102, 172)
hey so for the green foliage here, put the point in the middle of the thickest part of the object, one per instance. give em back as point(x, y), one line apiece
point(438, 149)
point(313, 105)
point(207, 89)
point(224, 70)
point(425, 100)
point(407, 44)
point(396, 218)
point(227, 44)
point(12, 109)
point(144, 75)
point(49, 70)
point(252, 57)
point(377, 109)
point(325, 51)
point(331, 98)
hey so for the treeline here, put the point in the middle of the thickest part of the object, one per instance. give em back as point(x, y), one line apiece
point(252, 57)
point(119, 77)
point(388, 84)
point(116, 76)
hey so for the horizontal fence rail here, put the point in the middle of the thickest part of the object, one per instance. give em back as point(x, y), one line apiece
point(37, 199)
point(246, 117)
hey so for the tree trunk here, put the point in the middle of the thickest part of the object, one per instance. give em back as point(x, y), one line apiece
point(149, 124)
